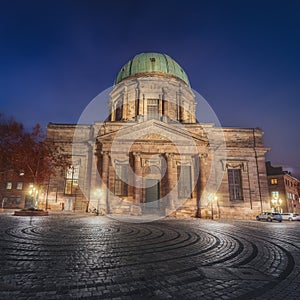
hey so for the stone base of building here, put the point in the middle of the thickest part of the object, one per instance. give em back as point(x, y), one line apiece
point(188, 209)
point(30, 213)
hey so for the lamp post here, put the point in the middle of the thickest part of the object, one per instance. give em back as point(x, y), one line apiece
point(47, 192)
point(33, 192)
point(98, 193)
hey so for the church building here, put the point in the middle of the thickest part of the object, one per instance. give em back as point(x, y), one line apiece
point(153, 156)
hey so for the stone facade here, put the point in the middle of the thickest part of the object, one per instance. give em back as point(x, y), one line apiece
point(152, 156)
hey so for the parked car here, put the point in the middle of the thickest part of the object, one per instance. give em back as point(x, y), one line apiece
point(269, 216)
point(290, 217)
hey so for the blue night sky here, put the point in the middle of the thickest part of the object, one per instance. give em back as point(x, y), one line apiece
point(241, 56)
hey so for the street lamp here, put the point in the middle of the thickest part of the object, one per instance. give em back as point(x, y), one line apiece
point(33, 192)
point(98, 193)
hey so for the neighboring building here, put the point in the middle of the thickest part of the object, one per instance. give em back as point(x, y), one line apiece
point(152, 155)
point(284, 190)
point(12, 190)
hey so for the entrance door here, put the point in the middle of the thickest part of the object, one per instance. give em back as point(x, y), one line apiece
point(152, 196)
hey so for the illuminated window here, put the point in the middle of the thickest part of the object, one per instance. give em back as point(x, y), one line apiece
point(121, 173)
point(11, 202)
point(275, 195)
point(235, 184)
point(274, 181)
point(184, 181)
point(9, 185)
point(72, 176)
point(19, 185)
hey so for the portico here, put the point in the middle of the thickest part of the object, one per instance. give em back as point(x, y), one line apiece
point(150, 167)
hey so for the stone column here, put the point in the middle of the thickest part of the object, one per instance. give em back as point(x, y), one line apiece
point(137, 178)
point(195, 176)
point(180, 106)
point(201, 181)
point(143, 106)
point(105, 180)
point(170, 180)
point(165, 103)
point(160, 107)
point(193, 120)
point(131, 179)
point(125, 106)
point(92, 176)
point(113, 112)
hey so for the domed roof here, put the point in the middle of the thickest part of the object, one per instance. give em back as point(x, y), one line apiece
point(145, 63)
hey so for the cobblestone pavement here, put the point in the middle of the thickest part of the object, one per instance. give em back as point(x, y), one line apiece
point(77, 256)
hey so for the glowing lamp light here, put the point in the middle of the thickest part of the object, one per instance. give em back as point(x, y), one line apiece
point(98, 192)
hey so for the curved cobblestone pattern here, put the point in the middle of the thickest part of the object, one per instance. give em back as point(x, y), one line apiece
point(71, 257)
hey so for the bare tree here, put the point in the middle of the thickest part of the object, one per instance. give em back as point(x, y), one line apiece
point(28, 152)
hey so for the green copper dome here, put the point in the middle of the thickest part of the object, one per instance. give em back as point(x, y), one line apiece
point(145, 63)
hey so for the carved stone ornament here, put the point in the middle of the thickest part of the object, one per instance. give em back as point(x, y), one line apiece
point(234, 164)
point(121, 161)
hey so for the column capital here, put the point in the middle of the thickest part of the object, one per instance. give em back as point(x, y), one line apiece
point(105, 153)
point(136, 154)
point(203, 155)
point(169, 155)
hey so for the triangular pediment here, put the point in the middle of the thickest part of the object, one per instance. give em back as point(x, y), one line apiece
point(154, 130)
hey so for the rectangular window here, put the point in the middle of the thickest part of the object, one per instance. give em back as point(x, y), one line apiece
point(72, 177)
point(235, 184)
point(152, 109)
point(19, 185)
point(119, 110)
point(184, 181)
point(9, 185)
point(274, 181)
point(121, 174)
point(275, 195)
